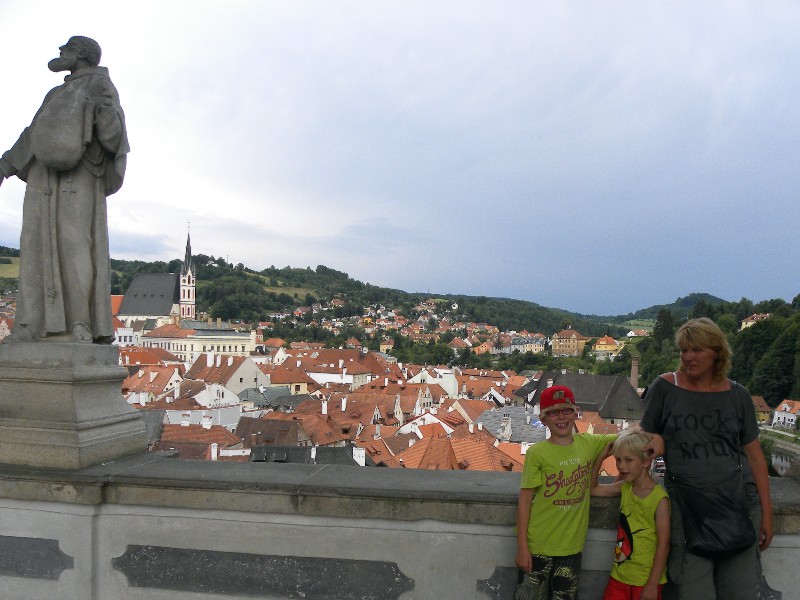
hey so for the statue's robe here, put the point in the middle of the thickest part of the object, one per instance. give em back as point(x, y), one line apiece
point(72, 157)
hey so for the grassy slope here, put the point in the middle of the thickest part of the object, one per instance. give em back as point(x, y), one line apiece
point(10, 271)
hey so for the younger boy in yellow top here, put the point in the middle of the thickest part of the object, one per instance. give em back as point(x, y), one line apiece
point(553, 506)
point(643, 533)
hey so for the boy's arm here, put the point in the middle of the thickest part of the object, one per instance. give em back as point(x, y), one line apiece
point(603, 489)
point(523, 559)
point(650, 591)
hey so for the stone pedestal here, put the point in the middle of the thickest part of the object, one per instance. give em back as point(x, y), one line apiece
point(61, 406)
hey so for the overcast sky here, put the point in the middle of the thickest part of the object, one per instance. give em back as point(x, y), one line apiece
point(599, 157)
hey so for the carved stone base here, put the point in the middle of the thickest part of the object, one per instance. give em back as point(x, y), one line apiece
point(61, 406)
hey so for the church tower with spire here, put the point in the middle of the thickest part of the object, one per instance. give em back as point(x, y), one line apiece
point(188, 285)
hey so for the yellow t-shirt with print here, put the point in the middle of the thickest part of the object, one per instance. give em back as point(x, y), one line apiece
point(636, 536)
point(561, 476)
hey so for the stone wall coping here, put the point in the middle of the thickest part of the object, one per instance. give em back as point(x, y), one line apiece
point(159, 479)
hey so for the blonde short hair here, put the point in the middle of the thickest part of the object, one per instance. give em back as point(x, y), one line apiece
point(631, 440)
point(704, 333)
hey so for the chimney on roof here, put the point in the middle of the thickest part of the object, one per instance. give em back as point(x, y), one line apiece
point(377, 435)
point(186, 418)
point(523, 448)
point(298, 364)
point(214, 451)
point(480, 426)
point(635, 372)
point(385, 382)
point(341, 363)
point(324, 407)
point(219, 322)
point(505, 427)
point(360, 456)
point(549, 383)
point(472, 427)
point(344, 403)
point(205, 421)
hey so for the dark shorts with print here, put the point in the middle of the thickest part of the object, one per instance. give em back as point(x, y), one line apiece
point(552, 578)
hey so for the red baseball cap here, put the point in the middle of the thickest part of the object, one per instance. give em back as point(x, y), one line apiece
point(554, 395)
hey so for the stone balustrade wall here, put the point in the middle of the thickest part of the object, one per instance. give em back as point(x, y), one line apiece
point(150, 527)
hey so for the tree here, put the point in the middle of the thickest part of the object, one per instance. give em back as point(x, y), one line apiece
point(728, 324)
point(621, 365)
point(656, 357)
point(773, 377)
point(750, 345)
point(664, 329)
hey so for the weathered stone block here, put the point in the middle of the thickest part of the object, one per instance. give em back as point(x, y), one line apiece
point(61, 406)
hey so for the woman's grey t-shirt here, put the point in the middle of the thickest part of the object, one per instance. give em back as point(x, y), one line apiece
point(702, 431)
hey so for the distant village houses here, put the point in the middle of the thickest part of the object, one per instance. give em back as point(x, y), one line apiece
point(753, 319)
point(568, 342)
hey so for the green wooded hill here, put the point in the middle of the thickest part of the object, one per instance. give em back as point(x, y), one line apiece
point(680, 308)
point(239, 293)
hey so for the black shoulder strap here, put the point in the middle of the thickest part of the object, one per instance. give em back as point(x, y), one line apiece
point(738, 424)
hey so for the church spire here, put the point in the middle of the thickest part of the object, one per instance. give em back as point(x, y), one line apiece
point(187, 260)
point(188, 286)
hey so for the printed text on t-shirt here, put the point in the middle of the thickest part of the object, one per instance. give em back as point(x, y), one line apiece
point(575, 483)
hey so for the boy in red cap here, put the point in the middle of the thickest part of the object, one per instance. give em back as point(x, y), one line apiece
point(553, 506)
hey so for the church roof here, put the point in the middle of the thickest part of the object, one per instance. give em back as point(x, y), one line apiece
point(151, 294)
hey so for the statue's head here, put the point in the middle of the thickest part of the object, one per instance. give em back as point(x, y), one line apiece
point(88, 47)
point(77, 52)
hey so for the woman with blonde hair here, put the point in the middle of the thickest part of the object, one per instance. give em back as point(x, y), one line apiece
point(706, 424)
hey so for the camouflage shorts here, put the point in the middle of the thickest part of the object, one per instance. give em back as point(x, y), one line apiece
point(552, 578)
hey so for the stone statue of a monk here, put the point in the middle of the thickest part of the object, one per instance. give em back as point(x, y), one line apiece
point(72, 157)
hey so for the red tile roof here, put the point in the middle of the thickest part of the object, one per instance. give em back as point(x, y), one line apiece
point(170, 330)
point(760, 404)
point(457, 454)
point(134, 355)
point(199, 434)
point(150, 378)
point(222, 370)
point(116, 303)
